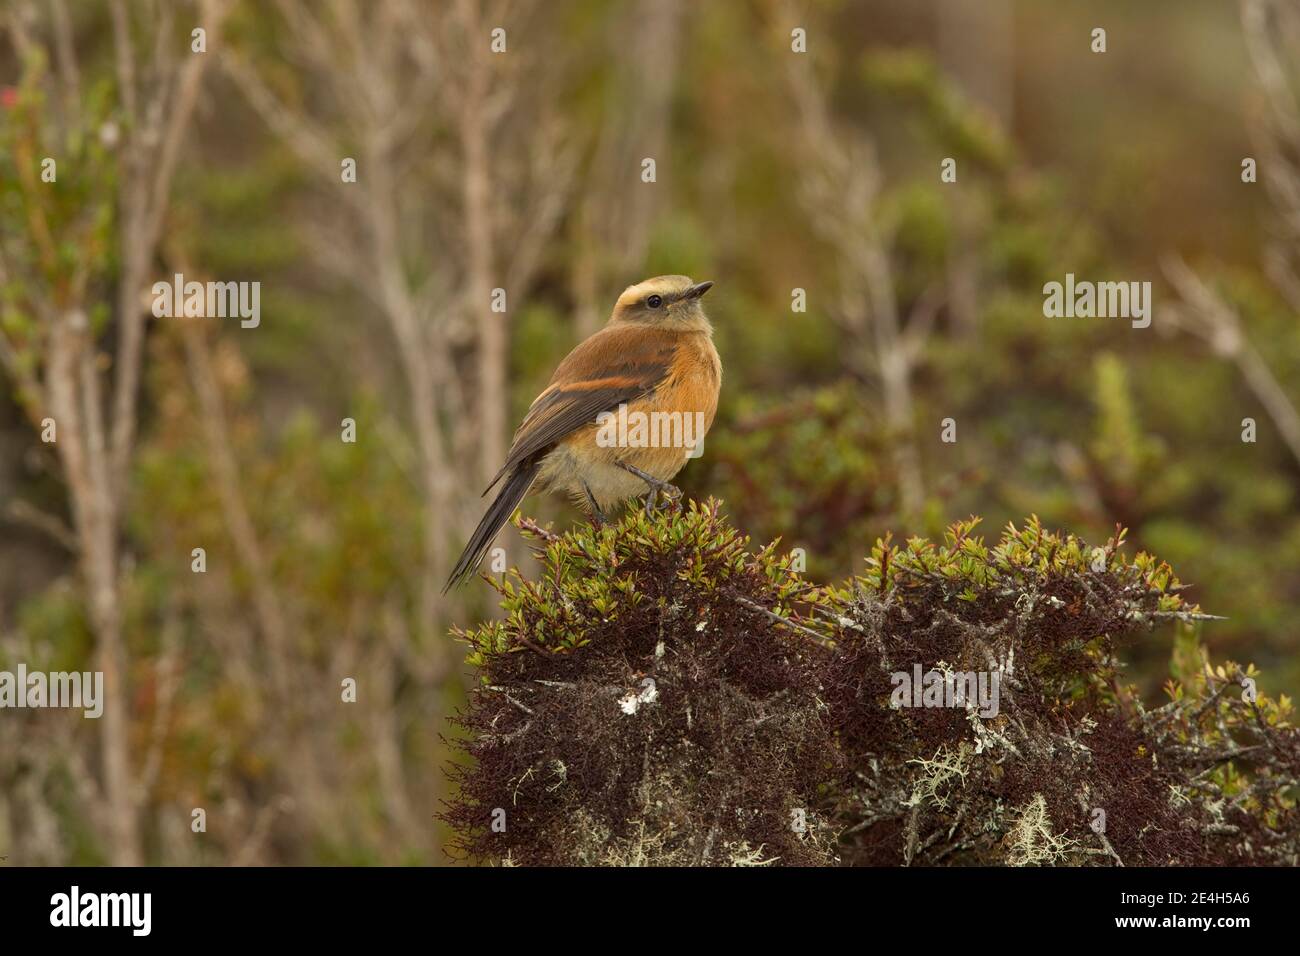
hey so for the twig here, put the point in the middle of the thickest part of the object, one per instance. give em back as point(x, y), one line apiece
point(746, 602)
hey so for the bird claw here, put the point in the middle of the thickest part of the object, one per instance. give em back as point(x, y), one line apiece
point(598, 518)
point(672, 495)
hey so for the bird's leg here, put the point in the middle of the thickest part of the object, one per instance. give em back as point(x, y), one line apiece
point(597, 516)
point(670, 492)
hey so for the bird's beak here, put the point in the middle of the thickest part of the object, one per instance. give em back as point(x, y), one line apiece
point(697, 290)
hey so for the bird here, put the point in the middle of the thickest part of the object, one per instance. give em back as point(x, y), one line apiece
point(596, 432)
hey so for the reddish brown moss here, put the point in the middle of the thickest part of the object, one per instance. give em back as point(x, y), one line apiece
point(661, 695)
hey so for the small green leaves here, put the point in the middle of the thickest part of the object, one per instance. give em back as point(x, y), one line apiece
point(595, 575)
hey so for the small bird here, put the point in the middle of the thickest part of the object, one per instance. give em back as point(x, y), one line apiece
point(596, 433)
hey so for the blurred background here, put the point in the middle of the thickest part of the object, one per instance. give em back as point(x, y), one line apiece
point(860, 302)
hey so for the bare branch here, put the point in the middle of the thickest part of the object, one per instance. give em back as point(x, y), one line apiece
point(1207, 316)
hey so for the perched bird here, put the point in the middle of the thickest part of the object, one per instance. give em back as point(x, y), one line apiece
point(621, 414)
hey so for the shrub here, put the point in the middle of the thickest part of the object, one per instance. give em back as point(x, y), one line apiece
point(663, 694)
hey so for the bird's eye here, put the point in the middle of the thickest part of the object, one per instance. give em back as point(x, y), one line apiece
point(654, 301)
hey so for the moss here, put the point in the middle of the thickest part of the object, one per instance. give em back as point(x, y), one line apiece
point(664, 694)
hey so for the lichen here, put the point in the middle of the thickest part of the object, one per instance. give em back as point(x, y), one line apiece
point(664, 694)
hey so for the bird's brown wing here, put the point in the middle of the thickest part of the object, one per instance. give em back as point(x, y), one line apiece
point(618, 364)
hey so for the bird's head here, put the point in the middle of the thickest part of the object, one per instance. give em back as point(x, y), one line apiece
point(666, 301)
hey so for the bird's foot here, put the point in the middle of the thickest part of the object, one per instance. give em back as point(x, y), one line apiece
point(671, 493)
point(598, 518)
point(671, 496)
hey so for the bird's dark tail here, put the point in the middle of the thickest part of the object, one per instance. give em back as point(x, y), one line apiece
point(507, 500)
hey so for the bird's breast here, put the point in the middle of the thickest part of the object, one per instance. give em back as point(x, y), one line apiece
point(658, 433)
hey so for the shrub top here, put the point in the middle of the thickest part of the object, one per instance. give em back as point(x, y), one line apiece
point(663, 693)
